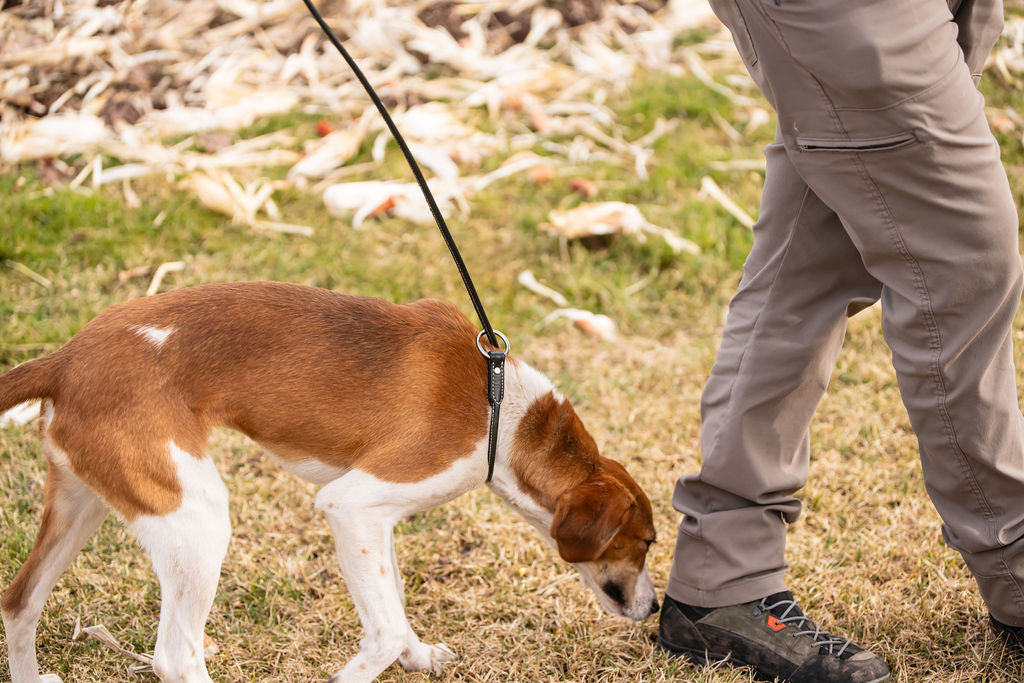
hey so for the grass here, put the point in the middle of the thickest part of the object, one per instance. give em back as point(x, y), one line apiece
point(866, 558)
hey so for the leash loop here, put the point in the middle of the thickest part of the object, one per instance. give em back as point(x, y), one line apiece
point(500, 336)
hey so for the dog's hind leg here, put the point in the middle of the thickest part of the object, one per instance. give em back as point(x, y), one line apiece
point(187, 547)
point(71, 514)
point(362, 511)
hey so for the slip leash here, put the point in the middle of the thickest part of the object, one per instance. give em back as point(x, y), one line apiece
point(495, 358)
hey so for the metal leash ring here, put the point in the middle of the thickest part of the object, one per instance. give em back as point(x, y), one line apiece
point(480, 347)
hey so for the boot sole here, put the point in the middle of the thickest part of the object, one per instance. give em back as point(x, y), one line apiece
point(705, 658)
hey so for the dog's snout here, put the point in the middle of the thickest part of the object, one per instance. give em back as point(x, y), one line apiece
point(655, 606)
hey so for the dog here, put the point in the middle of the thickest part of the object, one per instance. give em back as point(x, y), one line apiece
point(382, 405)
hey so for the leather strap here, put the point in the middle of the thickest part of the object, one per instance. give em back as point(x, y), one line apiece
point(495, 392)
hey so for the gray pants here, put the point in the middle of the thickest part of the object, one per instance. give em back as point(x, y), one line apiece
point(884, 182)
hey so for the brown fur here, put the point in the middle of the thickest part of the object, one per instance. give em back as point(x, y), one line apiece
point(552, 450)
point(600, 511)
point(299, 370)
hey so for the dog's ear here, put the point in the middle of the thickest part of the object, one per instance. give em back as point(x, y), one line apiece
point(587, 517)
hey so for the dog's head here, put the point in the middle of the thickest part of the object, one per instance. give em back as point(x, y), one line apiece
point(604, 526)
point(595, 514)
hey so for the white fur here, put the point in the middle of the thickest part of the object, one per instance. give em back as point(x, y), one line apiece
point(523, 385)
point(362, 512)
point(310, 469)
point(54, 454)
point(154, 335)
point(187, 548)
point(643, 596)
point(20, 414)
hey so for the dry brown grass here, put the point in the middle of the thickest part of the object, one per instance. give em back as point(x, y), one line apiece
point(866, 557)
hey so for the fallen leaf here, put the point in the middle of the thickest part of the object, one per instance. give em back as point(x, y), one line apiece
point(609, 218)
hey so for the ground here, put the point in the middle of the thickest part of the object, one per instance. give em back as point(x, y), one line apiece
point(866, 558)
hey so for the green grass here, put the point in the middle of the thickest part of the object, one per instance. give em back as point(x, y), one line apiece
point(865, 558)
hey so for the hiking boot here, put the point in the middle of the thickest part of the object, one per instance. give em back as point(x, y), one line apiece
point(1013, 636)
point(773, 636)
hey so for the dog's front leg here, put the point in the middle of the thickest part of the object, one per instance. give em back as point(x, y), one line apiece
point(363, 547)
point(362, 512)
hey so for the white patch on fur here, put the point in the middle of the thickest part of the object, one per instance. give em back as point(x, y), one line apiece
point(202, 490)
point(187, 547)
point(643, 597)
point(154, 335)
point(54, 453)
point(310, 469)
point(523, 386)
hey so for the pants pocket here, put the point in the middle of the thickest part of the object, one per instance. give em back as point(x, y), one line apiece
point(879, 144)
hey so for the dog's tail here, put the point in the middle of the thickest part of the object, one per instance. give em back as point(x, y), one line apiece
point(31, 380)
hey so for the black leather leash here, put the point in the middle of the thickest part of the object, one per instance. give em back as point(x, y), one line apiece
point(495, 358)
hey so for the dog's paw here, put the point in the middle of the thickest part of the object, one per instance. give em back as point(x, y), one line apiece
point(50, 678)
point(423, 657)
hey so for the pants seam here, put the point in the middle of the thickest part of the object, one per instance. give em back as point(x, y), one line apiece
point(740, 366)
point(951, 74)
point(935, 367)
point(1014, 584)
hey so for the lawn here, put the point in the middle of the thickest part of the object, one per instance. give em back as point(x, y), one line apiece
point(867, 559)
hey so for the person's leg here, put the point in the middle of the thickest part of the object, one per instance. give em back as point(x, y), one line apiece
point(898, 145)
point(785, 326)
point(879, 115)
point(726, 597)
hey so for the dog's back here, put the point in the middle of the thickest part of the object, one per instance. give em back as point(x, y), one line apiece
point(308, 373)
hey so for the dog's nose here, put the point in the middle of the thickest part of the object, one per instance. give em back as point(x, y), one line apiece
point(655, 606)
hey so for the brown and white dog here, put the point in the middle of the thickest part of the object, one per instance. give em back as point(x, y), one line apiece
point(383, 405)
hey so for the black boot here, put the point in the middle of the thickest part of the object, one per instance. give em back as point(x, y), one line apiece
point(773, 636)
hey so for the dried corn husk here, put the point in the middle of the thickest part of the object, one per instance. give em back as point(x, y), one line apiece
point(709, 188)
point(117, 81)
point(528, 280)
point(374, 198)
point(609, 218)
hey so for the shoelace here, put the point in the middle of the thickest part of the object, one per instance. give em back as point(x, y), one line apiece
point(798, 620)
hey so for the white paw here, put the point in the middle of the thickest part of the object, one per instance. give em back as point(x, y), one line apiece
point(423, 657)
point(50, 678)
